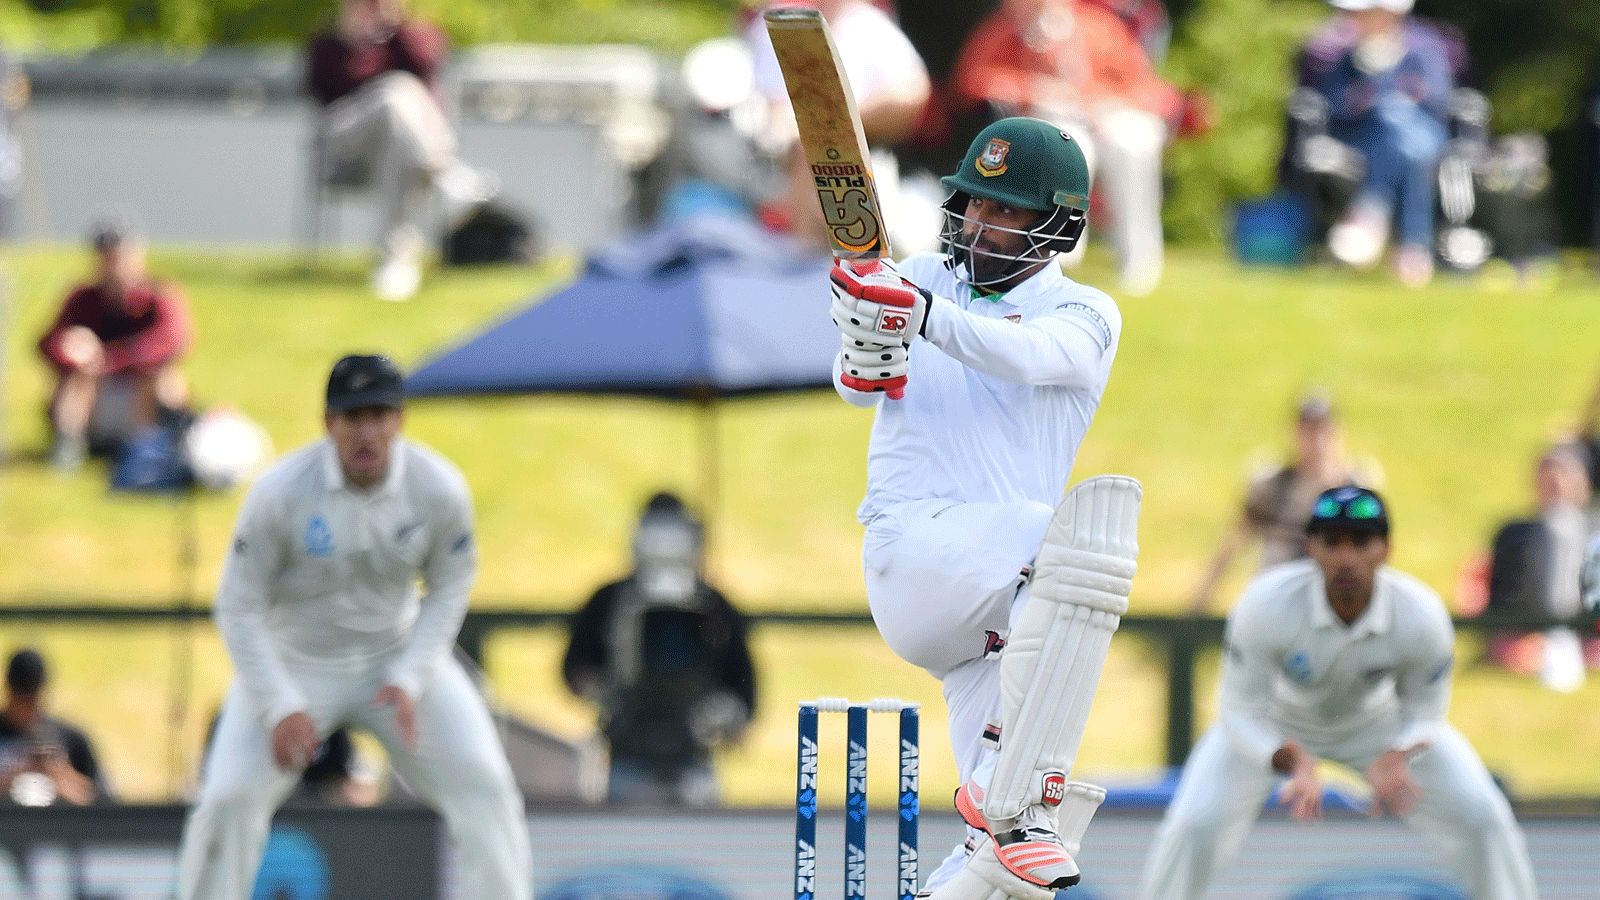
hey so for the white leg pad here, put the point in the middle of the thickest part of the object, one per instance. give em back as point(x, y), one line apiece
point(985, 878)
point(1057, 647)
point(1077, 809)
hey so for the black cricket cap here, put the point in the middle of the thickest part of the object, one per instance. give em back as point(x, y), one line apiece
point(1349, 508)
point(359, 381)
point(25, 674)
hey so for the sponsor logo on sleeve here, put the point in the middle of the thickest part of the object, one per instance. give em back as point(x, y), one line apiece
point(1085, 311)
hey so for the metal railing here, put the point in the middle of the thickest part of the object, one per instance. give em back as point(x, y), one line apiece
point(1183, 638)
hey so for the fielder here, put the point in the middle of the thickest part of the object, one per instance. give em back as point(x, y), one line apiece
point(965, 549)
point(1339, 658)
point(321, 614)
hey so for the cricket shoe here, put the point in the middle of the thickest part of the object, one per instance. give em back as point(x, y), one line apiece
point(1030, 849)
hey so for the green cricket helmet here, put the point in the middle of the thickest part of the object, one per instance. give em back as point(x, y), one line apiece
point(1024, 163)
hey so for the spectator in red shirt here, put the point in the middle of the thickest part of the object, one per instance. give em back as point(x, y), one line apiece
point(377, 78)
point(1078, 64)
point(115, 347)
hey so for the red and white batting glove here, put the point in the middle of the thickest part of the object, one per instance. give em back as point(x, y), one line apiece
point(873, 367)
point(874, 304)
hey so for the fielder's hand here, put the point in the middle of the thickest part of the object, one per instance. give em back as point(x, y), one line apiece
point(405, 713)
point(874, 304)
point(1393, 788)
point(873, 367)
point(294, 742)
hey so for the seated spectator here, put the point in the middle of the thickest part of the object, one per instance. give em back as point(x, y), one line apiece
point(1387, 81)
point(1278, 502)
point(890, 84)
point(377, 78)
point(664, 656)
point(1536, 569)
point(115, 347)
point(1078, 64)
point(43, 760)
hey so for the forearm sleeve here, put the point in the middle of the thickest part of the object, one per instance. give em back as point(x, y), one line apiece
point(241, 614)
point(1053, 350)
point(1247, 670)
point(1422, 684)
point(448, 573)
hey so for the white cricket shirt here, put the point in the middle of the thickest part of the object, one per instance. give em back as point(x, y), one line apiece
point(1000, 393)
point(1294, 669)
point(324, 573)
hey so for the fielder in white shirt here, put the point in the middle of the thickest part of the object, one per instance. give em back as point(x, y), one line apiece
point(321, 613)
point(985, 366)
point(1338, 658)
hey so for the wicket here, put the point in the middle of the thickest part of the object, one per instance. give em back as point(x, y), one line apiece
point(855, 801)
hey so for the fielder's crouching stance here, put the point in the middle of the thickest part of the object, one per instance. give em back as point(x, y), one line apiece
point(1338, 657)
point(964, 550)
point(321, 615)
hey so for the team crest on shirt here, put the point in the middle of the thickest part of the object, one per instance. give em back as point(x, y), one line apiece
point(319, 537)
point(992, 161)
point(1298, 668)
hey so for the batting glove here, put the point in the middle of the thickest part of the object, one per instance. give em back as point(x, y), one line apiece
point(874, 304)
point(873, 367)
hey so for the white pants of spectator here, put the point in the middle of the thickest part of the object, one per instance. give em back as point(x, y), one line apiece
point(458, 768)
point(393, 127)
point(943, 582)
point(1462, 812)
point(1123, 147)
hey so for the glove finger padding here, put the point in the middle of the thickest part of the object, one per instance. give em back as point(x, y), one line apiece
point(857, 321)
point(880, 300)
point(872, 367)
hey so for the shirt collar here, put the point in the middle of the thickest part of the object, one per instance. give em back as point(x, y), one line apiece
point(1048, 274)
point(333, 475)
point(1376, 619)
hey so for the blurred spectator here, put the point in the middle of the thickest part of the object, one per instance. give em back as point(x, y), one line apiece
point(1278, 503)
point(1536, 569)
point(890, 84)
point(664, 655)
point(115, 347)
point(14, 94)
point(42, 759)
point(1387, 81)
point(1149, 22)
point(1078, 64)
point(1590, 579)
point(377, 78)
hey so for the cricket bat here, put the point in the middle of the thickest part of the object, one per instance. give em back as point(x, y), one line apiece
point(830, 132)
point(831, 138)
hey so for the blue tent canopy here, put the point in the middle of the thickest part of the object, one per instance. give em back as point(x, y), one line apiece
point(711, 307)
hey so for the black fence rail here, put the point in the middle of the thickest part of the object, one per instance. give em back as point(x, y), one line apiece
point(1181, 638)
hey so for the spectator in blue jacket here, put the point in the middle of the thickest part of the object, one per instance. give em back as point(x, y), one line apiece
point(1388, 82)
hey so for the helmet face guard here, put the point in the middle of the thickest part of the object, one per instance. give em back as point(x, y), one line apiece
point(1026, 164)
point(1057, 231)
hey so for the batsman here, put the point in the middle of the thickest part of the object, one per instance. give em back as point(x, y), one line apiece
point(977, 569)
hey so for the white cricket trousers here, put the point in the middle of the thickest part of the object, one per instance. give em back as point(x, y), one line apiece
point(458, 768)
point(943, 580)
point(1461, 812)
